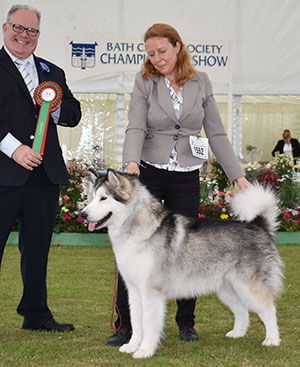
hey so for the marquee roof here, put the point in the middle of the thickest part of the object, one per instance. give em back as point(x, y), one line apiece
point(264, 37)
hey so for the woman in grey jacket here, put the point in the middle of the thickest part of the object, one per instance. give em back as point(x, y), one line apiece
point(170, 104)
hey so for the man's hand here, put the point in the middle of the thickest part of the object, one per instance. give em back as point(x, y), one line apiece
point(56, 107)
point(26, 157)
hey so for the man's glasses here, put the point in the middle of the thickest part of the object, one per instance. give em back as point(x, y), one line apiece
point(20, 29)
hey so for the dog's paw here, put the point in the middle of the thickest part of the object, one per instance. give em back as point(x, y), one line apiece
point(271, 342)
point(142, 353)
point(128, 348)
point(236, 334)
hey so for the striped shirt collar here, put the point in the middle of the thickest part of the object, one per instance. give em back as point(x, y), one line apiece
point(29, 59)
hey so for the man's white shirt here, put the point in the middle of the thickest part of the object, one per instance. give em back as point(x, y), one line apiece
point(9, 143)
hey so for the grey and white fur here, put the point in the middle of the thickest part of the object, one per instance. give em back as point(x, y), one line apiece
point(163, 255)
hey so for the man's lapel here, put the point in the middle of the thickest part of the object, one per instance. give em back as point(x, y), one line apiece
point(12, 69)
point(43, 76)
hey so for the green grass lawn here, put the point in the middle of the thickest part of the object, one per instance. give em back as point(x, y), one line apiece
point(80, 290)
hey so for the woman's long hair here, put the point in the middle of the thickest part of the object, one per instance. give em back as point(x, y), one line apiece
point(286, 134)
point(184, 69)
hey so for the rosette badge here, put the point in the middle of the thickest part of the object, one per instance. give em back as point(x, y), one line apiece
point(47, 95)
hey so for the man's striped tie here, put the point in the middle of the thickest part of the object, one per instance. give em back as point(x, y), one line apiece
point(21, 64)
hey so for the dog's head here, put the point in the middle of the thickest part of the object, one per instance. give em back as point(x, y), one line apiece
point(105, 196)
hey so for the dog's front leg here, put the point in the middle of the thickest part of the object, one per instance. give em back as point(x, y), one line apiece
point(153, 312)
point(135, 306)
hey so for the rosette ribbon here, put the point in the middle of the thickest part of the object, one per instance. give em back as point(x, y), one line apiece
point(47, 95)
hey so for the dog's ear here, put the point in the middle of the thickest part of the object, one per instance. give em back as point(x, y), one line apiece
point(120, 183)
point(93, 175)
point(112, 178)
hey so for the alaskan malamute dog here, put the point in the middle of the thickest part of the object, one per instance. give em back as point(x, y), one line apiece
point(162, 255)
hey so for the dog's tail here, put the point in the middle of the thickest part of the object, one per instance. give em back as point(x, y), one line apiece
point(257, 201)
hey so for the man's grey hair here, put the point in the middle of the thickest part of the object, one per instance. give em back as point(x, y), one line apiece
point(14, 8)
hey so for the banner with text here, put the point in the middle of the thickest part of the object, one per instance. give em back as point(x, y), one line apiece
point(102, 55)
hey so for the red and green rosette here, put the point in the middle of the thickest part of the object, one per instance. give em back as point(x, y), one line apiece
point(47, 95)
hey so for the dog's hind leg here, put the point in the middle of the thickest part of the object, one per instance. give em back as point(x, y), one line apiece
point(259, 299)
point(154, 306)
point(136, 318)
point(267, 313)
point(241, 316)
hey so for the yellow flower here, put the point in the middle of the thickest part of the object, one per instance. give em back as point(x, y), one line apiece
point(224, 216)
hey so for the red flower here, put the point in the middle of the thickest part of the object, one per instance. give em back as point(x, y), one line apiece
point(66, 217)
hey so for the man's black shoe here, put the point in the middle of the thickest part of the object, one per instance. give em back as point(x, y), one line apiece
point(119, 338)
point(53, 325)
point(188, 334)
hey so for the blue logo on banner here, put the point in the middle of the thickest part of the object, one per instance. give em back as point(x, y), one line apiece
point(83, 55)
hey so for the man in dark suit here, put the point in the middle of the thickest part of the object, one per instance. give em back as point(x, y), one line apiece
point(29, 182)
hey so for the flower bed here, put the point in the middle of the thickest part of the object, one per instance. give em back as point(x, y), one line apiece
point(72, 199)
point(277, 174)
point(215, 194)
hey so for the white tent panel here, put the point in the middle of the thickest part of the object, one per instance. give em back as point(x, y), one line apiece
point(264, 36)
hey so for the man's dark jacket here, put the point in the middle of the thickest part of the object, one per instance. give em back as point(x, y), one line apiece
point(18, 115)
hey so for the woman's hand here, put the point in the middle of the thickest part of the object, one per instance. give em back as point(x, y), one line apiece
point(243, 183)
point(132, 168)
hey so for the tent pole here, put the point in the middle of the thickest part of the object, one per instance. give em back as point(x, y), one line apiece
point(229, 96)
point(120, 98)
point(237, 125)
point(119, 127)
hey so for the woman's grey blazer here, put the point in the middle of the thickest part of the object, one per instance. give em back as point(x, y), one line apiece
point(154, 129)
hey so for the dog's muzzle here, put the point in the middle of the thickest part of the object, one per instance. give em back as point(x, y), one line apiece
point(96, 225)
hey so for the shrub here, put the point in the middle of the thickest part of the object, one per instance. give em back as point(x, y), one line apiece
point(268, 178)
point(282, 164)
point(251, 171)
point(217, 174)
point(289, 193)
point(219, 208)
point(72, 199)
point(290, 220)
